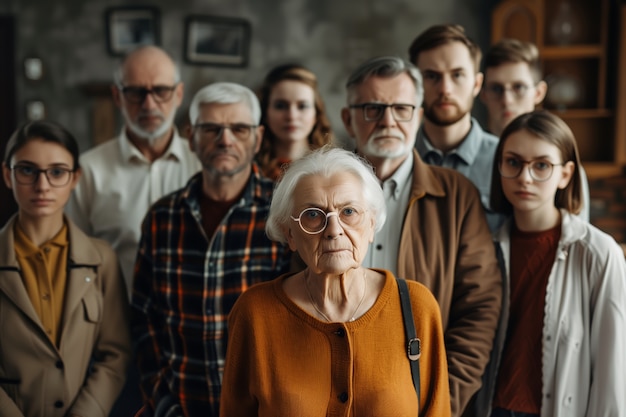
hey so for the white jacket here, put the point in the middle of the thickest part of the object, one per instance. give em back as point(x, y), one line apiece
point(584, 326)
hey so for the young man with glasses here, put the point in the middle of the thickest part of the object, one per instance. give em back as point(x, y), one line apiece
point(450, 137)
point(201, 247)
point(123, 177)
point(435, 232)
point(513, 86)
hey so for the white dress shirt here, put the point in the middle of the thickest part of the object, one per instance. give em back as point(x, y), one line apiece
point(383, 252)
point(119, 185)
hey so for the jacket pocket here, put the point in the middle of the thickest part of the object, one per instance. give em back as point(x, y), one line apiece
point(12, 388)
point(92, 306)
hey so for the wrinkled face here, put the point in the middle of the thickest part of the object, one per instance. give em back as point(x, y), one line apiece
point(385, 137)
point(523, 192)
point(450, 83)
point(510, 91)
point(291, 114)
point(40, 199)
point(339, 247)
point(153, 116)
point(226, 151)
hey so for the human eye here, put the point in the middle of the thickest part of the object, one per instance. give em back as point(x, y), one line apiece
point(512, 162)
point(495, 89)
point(304, 105)
point(135, 93)
point(519, 89)
point(25, 170)
point(458, 74)
point(403, 110)
point(240, 130)
point(209, 128)
point(57, 172)
point(541, 165)
point(280, 105)
point(431, 76)
point(350, 215)
point(373, 110)
point(162, 91)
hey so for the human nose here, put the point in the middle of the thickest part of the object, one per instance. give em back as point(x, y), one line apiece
point(225, 137)
point(148, 102)
point(387, 118)
point(445, 85)
point(525, 174)
point(333, 227)
point(41, 181)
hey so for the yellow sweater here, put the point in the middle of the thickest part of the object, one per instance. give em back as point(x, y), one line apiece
point(283, 362)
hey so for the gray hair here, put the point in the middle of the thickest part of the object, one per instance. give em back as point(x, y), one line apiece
point(386, 67)
point(225, 93)
point(118, 74)
point(325, 162)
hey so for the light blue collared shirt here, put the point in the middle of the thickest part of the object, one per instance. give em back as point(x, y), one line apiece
point(472, 158)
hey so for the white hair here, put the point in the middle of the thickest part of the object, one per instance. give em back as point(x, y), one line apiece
point(225, 93)
point(324, 162)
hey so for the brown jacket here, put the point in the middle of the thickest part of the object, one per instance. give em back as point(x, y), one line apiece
point(446, 245)
point(85, 374)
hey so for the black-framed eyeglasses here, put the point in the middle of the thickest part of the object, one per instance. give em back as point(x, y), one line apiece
point(28, 175)
point(497, 90)
point(540, 169)
point(372, 112)
point(313, 220)
point(213, 131)
point(159, 93)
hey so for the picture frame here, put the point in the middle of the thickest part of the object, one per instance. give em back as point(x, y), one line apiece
point(130, 27)
point(218, 41)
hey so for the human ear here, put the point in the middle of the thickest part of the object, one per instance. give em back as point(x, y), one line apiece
point(540, 92)
point(346, 117)
point(567, 171)
point(290, 239)
point(478, 83)
point(6, 175)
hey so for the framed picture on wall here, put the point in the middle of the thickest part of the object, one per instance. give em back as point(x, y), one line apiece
point(221, 41)
point(130, 27)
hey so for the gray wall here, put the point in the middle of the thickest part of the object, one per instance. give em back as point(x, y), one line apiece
point(329, 36)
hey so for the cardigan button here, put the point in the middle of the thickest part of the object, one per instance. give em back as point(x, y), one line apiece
point(343, 397)
point(59, 364)
point(58, 404)
point(340, 332)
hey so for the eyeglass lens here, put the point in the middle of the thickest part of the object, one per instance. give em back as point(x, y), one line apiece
point(213, 131)
point(375, 111)
point(314, 220)
point(518, 90)
point(540, 170)
point(56, 176)
point(159, 93)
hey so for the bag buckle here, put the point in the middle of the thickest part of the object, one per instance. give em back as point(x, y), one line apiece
point(414, 349)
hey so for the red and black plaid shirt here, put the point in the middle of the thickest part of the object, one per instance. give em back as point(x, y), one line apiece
point(186, 284)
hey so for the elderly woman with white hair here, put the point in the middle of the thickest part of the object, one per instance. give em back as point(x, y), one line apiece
point(330, 340)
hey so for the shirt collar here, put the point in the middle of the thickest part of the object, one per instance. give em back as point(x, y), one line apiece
point(175, 150)
point(467, 151)
point(24, 247)
point(401, 177)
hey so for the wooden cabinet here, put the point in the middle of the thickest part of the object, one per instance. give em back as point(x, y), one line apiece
point(573, 41)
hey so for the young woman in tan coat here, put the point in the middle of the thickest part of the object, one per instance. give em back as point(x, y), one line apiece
point(65, 341)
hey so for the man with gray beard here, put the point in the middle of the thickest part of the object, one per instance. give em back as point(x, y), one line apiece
point(123, 177)
point(436, 232)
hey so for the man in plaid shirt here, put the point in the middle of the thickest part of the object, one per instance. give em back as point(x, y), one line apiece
point(201, 247)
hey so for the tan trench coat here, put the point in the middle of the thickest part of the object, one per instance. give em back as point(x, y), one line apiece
point(85, 374)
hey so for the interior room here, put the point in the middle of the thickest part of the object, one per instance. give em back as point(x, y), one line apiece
point(57, 61)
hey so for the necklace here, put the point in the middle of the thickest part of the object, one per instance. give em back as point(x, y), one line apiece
point(321, 313)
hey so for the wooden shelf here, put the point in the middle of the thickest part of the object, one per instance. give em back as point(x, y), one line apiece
point(573, 51)
point(602, 170)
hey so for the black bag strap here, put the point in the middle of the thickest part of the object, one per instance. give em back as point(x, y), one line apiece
point(414, 346)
